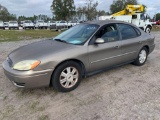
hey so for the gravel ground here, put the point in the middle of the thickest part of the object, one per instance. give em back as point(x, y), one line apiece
point(125, 93)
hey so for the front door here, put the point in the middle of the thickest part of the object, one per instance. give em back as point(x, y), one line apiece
point(108, 53)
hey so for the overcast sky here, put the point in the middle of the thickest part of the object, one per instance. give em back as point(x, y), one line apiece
point(36, 7)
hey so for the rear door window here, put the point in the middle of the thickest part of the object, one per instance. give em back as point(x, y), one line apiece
point(127, 31)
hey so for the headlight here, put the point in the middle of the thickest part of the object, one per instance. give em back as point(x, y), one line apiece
point(26, 65)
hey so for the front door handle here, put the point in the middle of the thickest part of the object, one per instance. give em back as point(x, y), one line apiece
point(140, 42)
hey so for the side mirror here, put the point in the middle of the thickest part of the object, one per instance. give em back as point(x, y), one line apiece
point(99, 41)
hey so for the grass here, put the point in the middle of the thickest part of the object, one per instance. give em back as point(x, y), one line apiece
point(35, 106)
point(43, 117)
point(17, 35)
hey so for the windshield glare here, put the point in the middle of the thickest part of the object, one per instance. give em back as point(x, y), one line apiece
point(78, 34)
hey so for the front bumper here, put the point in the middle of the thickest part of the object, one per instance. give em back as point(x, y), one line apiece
point(13, 26)
point(27, 79)
point(28, 26)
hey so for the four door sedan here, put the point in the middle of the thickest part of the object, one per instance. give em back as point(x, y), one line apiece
point(82, 50)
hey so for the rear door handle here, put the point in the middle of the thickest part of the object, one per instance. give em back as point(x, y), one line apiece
point(140, 42)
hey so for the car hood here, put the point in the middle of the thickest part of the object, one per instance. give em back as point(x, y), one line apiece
point(38, 50)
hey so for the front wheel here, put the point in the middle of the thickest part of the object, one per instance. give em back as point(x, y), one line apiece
point(148, 30)
point(142, 57)
point(67, 76)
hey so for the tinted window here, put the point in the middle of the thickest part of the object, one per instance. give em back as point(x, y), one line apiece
point(109, 33)
point(138, 32)
point(127, 31)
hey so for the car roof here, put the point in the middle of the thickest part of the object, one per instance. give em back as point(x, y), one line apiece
point(104, 22)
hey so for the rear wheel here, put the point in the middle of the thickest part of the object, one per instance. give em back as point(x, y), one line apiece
point(67, 76)
point(142, 57)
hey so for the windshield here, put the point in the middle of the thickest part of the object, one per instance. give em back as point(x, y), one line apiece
point(27, 22)
point(13, 22)
point(40, 21)
point(78, 34)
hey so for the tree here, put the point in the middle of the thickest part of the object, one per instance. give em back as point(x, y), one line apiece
point(156, 17)
point(121, 4)
point(3, 13)
point(80, 12)
point(63, 9)
point(101, 13)
point(91, 9)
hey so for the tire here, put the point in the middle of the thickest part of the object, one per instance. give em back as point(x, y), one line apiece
point(148, 30)
point(18, 28)
point(142, 57)
point(63, 76)
point(4, 28)
point(9, 28)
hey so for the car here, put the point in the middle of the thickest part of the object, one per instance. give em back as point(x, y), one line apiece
point(13, 24)
point(21, 23)
point(2, 25)
point(50, 23)
point(28, 24)
point(78, 52)
point(158, 22)
point(40, 24)
point(72, 23)
point(5, 24)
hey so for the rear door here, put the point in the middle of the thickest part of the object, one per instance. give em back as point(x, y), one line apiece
point(107, 54)
point(131, 41)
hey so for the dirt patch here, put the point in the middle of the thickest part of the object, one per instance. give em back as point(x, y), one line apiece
point(127, 92)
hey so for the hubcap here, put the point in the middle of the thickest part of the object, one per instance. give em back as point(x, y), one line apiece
point(69, 77)
point(142, 56)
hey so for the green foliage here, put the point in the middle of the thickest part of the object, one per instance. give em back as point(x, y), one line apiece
point(63, 9)
point(102, 12)
point(5, 15)
point(89, 10)
point(157, 17)
point(121, 4)
point(80, 12)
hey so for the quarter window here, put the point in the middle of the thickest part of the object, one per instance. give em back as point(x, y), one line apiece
point(127, 31)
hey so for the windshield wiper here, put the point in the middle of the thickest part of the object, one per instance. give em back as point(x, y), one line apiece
point(60, 40)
